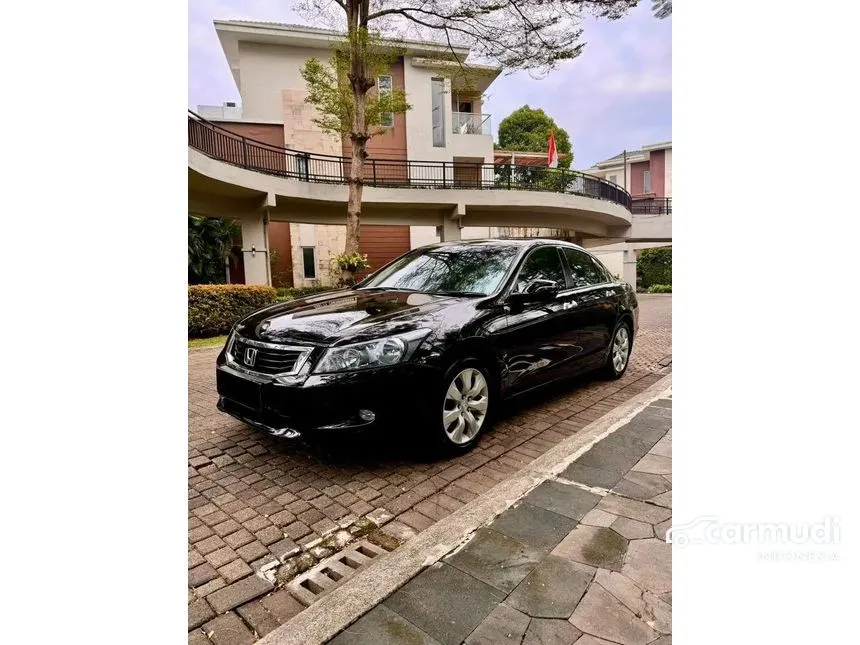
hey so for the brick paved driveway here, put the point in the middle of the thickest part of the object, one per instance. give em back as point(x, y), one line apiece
point(252, 498)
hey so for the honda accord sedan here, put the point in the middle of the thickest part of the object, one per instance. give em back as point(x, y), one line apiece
point(431, 343)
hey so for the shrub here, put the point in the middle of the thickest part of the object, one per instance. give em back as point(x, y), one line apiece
point(214, 308)
point(660, 288)
point(654, 266)
point(291, 293)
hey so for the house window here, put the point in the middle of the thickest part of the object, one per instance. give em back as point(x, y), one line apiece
point(465, 107)
point(437, 89)
point(309, 261)
point(613, 178)
point(646, 182)
point(386, 85)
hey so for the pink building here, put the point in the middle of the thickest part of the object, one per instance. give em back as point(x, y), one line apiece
point(647, 175)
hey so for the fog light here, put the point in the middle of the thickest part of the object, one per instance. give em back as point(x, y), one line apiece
point(366, 415)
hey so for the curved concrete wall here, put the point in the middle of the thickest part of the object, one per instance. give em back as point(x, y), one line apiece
point(218, 188)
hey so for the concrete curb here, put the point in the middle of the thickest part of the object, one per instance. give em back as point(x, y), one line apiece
point(346, 604)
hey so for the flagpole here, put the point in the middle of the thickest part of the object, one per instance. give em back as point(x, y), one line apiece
point(624, 170)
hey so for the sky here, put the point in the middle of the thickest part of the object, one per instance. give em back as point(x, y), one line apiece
point(617, 94)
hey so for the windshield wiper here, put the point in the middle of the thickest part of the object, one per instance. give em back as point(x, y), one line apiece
point(386, 289)
point(458, 293)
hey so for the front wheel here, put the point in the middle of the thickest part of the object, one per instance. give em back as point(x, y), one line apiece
point(619, 352)
point(464, 409)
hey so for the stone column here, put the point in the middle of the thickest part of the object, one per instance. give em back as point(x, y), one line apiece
point(451, 226)
point(628, 273)
point(255, 248)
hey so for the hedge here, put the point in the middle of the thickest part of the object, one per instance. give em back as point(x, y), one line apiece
point(291, 293)
point(214, 308)
point(660, 288)
point(654, 266)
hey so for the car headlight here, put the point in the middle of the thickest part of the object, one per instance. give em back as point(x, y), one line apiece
point(374, 353)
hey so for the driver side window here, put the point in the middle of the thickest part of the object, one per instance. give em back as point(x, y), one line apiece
point(543, 263)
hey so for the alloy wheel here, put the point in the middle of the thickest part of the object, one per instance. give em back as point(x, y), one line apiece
point(465, 406)
point(620, 349)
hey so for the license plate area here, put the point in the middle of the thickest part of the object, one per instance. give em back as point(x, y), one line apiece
point(241, 391)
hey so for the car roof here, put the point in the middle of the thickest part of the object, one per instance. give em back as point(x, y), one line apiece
point(520, 242)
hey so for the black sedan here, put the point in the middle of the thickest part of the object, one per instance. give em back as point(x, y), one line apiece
point(430, 343)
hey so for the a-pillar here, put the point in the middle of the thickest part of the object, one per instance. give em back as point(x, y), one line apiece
point(628, 271)
point(451, 226)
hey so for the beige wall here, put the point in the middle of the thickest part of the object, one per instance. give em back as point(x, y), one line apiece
point(328, 240)
point(265, 71)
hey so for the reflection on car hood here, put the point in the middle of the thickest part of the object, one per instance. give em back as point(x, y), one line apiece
point(326, 318)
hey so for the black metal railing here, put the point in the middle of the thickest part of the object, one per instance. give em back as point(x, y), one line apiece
point(652, 206)
point(222, 144)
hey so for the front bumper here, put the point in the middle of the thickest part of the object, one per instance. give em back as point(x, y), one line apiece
point(325, 402)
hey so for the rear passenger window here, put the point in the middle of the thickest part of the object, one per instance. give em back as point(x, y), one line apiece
point(583, 270)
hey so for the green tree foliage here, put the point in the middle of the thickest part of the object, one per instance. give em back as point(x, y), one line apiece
point(210, 242)
point(534, 35)
point(654, 267)
point(527, 129)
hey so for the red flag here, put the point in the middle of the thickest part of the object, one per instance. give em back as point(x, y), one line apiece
point(552, 153)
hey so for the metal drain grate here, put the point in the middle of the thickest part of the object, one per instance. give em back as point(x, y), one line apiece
point(332, 572)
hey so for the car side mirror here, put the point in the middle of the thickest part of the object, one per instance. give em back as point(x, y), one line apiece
point(537, 291)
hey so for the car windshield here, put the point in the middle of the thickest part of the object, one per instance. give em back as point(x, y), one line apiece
point(468, 269)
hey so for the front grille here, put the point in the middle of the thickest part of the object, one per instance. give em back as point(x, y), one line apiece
point(267, 360)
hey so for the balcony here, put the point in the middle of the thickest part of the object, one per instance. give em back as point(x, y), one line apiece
point(468, 123)
point(651, 206)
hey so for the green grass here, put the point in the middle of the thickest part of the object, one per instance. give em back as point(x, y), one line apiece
point(216, 341)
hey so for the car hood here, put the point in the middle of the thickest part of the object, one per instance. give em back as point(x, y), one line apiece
point(349, 314)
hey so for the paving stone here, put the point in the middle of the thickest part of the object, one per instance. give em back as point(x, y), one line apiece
point(596, 517)
point(663, 499)
point(631, 529)
point(654, 464)
point(260, 620)
point(400, 530)
point(640, 485)
point(209, 545)
point(500, 561)
point(613, 456)
point(221, 557)
point(228, 630)
point(661, 529)
point(199, 533)
point(534, 526)
point(197, 637)
point(591, 476)
point(284, 549)
point(551, 631)
point(596, 546)
point(427, 602)
point(564, 499)
point(239, 593)
point(201, 574)
point(588, 639)
point(649, 564)
point(553, 589)
point(195, 559)
point(504, 625)
point(234, 571)
point(644, 604)
point(269, 535)
point(634, 509)
point(602, 615)
point(281, 605)
point(199, 612)
point(381, 626)
point(252, 551)
point(239, 538)
point(663, 448)
point(210, 587)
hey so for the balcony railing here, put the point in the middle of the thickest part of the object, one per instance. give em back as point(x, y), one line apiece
point(222, 144)
point(467, 123)
point(652, 206)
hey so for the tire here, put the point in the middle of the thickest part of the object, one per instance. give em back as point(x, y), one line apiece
point(457, 425)
point(618, 359)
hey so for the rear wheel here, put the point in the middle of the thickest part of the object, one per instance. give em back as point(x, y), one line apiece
point(463, 410)
point(619, 352)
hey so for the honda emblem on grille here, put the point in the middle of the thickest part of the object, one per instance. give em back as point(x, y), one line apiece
point(250, 356)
